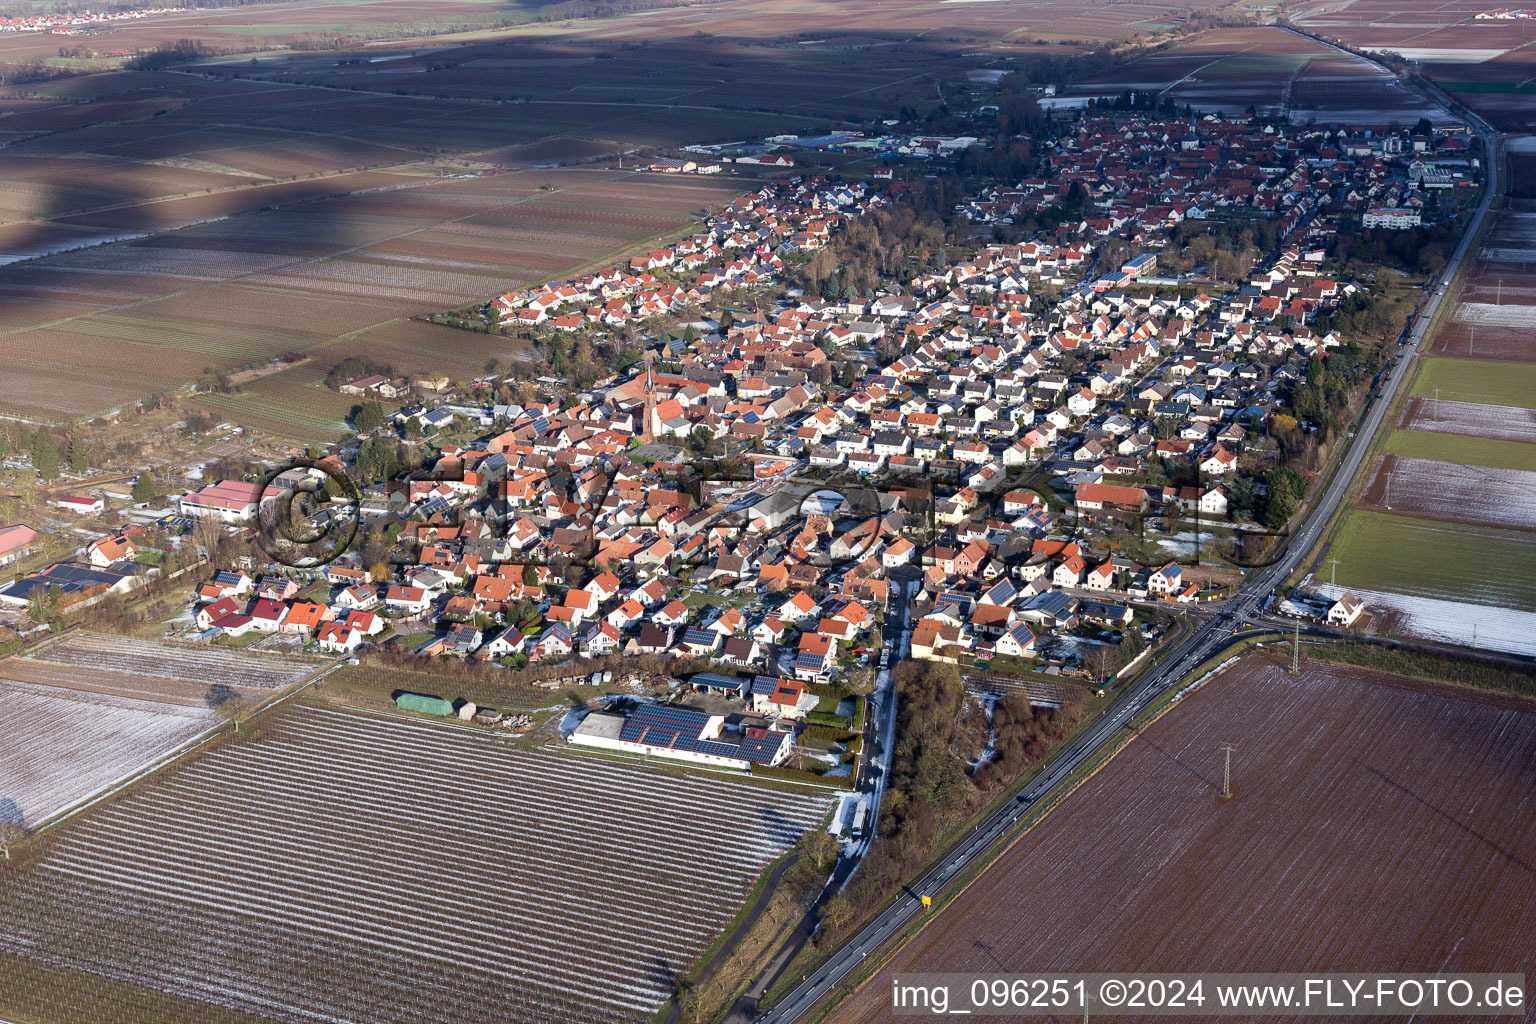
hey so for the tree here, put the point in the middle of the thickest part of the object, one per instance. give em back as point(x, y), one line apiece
point(45, 454)
point(1131, 645)
point(232, 709)
point(78, 453)
point(39, 605)
point(144, 488)
point(10, 834)
point(1101, 662)
point(819, 849)
point(838, 913)
point(1280, 507)
point(368, 417)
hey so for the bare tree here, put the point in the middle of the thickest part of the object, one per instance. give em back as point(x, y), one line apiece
point(1102, 662)
point(10, 834)
point(819, 848)
point(233, 710)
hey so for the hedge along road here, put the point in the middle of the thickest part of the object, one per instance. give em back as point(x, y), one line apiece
point(1203, 642)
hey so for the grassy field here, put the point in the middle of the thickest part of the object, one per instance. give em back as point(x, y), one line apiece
point(373, 686)
point(1477, 380)
point(1417, 557)
point(292, 403)
point(1471, 451)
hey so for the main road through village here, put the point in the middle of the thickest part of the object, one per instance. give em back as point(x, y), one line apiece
point(1204, 640)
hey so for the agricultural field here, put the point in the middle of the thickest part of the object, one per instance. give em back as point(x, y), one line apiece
point(1520, 159)
point(1471, 419)
point(1481, 565)
point(1351, 788)
point(1468, 450)
point(274, 25)
point(80, 335)
point(160, 670)
point(1449, 490)
point(1484, 64)
point(341, 866)
point(63, 746)
point(1269, 69)
point(1479, 381)
point(1444, 552)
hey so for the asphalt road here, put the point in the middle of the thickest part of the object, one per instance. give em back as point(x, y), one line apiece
point(1204, 641)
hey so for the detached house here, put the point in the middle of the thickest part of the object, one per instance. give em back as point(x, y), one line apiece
point(411, 600)
point(335, 638)
point(1018, 642)
point(1167, 581)
point(781, 698)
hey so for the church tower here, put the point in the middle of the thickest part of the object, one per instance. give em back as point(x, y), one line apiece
point(648, 418)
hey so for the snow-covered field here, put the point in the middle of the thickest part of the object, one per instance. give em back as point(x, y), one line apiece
point(353, 869)
point(1505, 315)
point(1506, 254)
point(1472, 625)
point(1471, 419)
point(1449, 490)
point(59, 747)
point(117, 660)
point(1438, 54)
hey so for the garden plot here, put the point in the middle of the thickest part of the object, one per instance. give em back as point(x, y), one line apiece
point(114, 661)
point(63, 746)
point(349, 868)
point(1449, 490)
point(1500, 422)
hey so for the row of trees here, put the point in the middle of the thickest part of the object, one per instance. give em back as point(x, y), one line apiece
point(48, 456)
point(931, 790)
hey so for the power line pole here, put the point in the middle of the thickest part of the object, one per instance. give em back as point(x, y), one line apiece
point(1226, 774)
point(1296, 650)
point(1437, 405)
point(1389, 490)
point(1333, 571)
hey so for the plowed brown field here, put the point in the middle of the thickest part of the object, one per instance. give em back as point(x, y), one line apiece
point(1377, 824)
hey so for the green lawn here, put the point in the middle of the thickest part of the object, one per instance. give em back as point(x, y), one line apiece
point(1479, 380)
point(1469, 451)
point(1422, 558)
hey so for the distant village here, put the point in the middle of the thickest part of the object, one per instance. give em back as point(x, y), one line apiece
point(71, 24)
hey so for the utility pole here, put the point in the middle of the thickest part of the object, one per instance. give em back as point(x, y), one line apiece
point(1296, 650)
point(1389, 490)
point(1226, 774)
point(1437, 405)
point(1333, 571)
